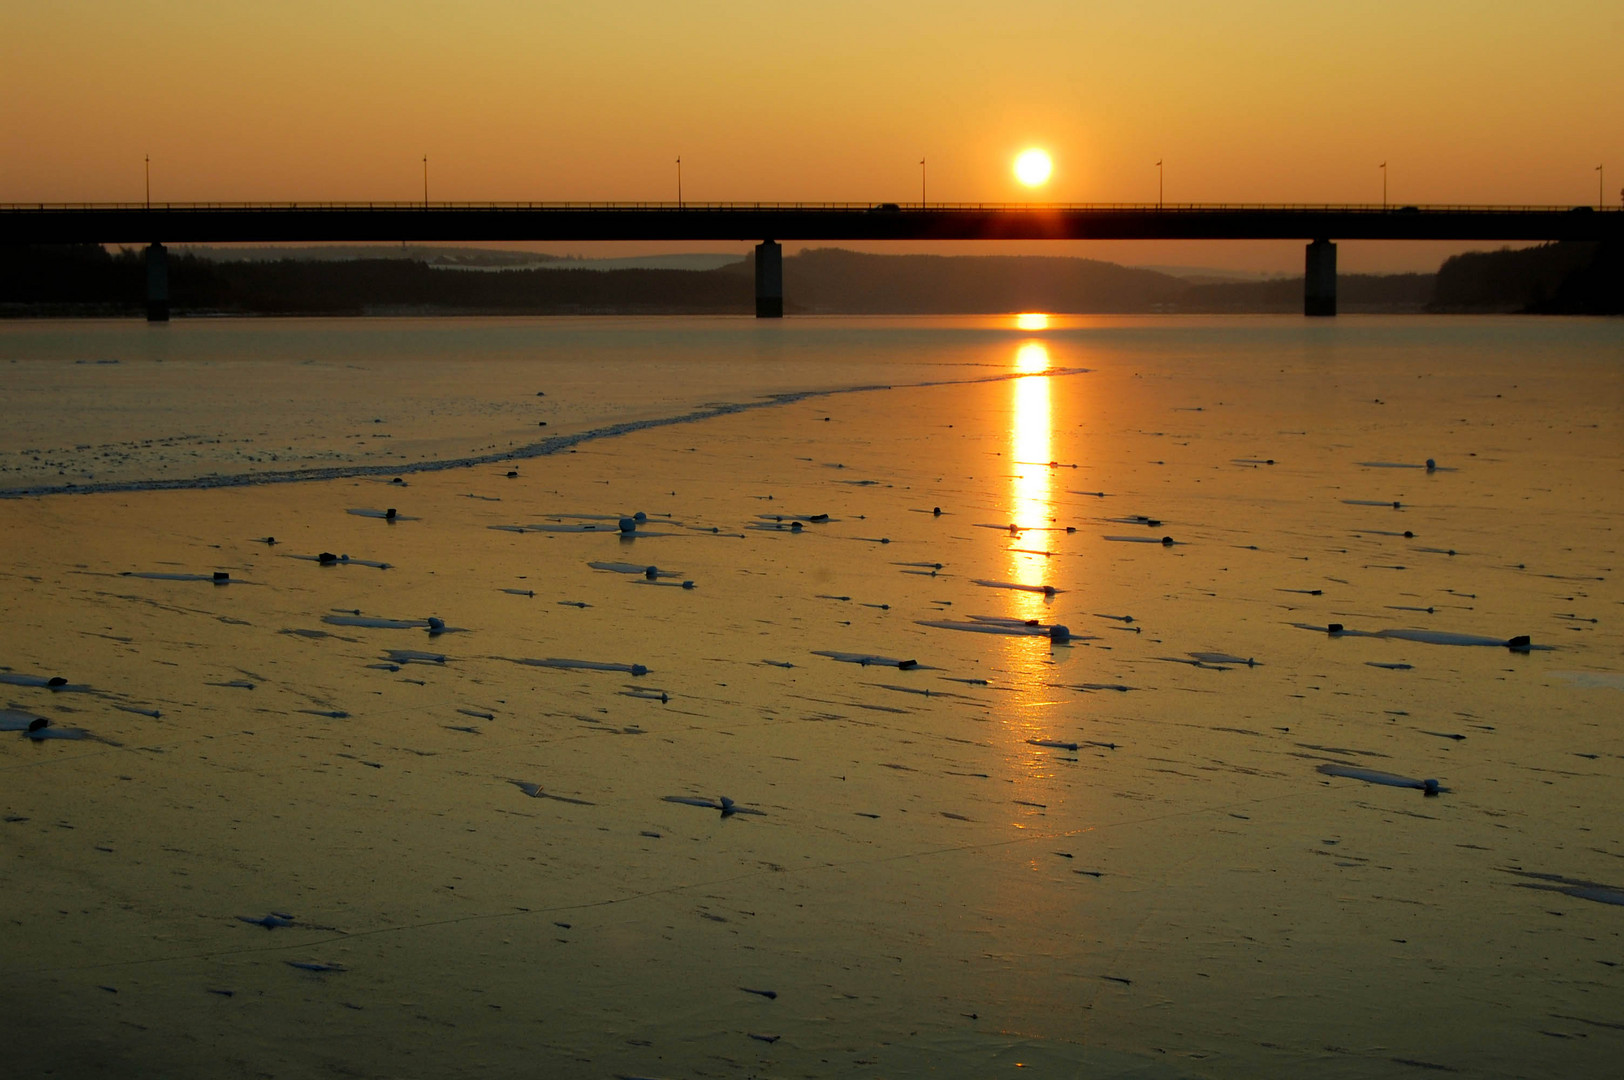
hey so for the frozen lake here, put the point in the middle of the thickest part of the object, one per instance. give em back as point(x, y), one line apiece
point(792, 775)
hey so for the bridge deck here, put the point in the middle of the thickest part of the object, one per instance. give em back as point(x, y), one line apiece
point(48, 223)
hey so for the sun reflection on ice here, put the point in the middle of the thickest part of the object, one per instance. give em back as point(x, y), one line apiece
point(1031, 504)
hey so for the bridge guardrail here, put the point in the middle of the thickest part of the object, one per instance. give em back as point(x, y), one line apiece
point(862, 207)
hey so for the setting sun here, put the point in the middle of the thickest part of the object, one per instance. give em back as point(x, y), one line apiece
point(1033, 167)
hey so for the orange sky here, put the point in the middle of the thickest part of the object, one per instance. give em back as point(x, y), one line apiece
point(1480, 101)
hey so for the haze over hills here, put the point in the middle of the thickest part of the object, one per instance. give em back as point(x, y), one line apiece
point(833, 281)
point(460, 258)
point(361, 280)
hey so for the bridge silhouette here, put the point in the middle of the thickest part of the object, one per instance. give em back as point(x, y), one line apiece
point(156, 224)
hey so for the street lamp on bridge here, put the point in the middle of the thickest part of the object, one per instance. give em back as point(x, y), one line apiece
point(1383, 168)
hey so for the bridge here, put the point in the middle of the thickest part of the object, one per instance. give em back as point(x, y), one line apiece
point(154, 224)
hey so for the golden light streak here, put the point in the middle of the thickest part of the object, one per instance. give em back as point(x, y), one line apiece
point(1031, 503)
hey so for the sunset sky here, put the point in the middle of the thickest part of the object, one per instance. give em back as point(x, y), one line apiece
point(1487, 101)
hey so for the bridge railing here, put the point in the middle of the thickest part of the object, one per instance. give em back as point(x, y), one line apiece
point(853, 207)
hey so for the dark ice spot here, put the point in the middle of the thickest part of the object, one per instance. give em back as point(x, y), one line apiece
point(869, 659)
point(1575, 887)
point(582, 665)
point(434, 625)
point(1374, 776)
point(315, 966)
point(726, 805)
point(1224, 658)
point(995, 624)
point(535, 792)
point(1045, 590)
point(215, 578)
point(274, 921)
point(412, 656)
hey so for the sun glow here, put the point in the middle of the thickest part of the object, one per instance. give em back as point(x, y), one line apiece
point(1033, 167)
point(1032, 320)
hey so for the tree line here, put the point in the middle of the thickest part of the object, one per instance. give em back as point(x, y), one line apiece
point(90, 280)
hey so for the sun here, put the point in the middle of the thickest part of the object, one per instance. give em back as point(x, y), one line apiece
point(1033, 167)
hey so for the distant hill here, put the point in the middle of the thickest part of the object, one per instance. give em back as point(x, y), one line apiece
point(490, 258)
point(466, 258)
point(833, 281)
point(1562, 278)
point(1355, 293)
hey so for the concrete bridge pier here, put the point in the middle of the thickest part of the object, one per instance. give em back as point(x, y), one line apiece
point(769, 280)
point(157, 283)
point(1319, 279)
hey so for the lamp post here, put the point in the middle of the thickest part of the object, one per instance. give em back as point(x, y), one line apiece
point(1158, 183)
point(425, 181)
point(1601, 188)
point(1383, 168)
point(921, 183)
point(149, 181)
point(679, 181)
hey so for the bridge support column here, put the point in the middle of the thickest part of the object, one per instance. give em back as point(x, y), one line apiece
point(1319, 279)
point(157, 283)
point(769, 280)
